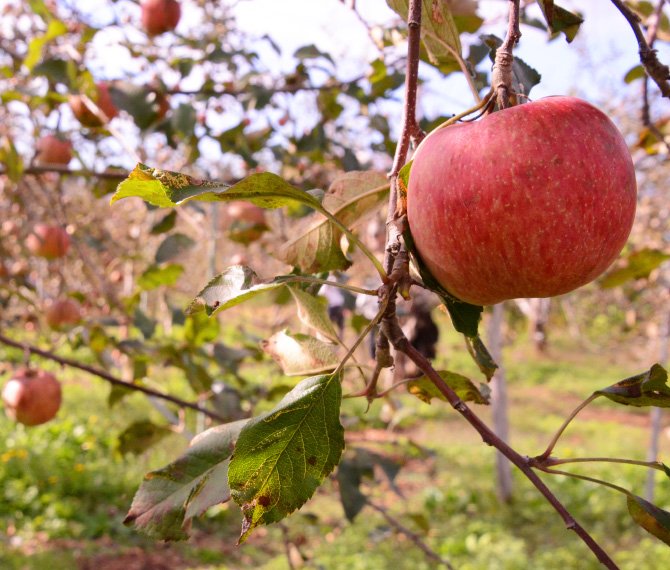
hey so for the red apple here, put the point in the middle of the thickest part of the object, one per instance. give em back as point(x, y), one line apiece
point(85, 115)
point(52, 149)
point(247, 222)
point(48, 241)
point(31, 396)
point(532, 201)
point(160, 16)
point(63, 313)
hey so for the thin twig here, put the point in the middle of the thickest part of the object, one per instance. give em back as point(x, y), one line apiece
point(415, 538)
point(108, 377)
point(658, 71)
point(46, 168)
point(652, 32)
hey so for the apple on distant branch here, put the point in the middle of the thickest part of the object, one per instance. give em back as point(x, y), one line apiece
point(159, 16)
point(48, 241)
point(87, 115)
point(53, 149)
point(63, 313)
point(531, 201)
point(32, 396)
point(247, 222)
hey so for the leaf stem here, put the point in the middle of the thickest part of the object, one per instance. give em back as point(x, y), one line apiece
point(563, 427)
point(551, 461)
point(586, 478)
point(306, 279)
point(371, 256)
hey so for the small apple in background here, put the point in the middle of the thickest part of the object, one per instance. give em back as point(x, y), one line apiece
point(159, 16)
point(238, 259)
point(246, 222)
point(32, 396)
point(48, 241)
point(52, 149)
point(532, 201)
point(86, 115)
point(63, 313)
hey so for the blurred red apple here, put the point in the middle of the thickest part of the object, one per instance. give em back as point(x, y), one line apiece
point(86, 115)
point(32, 396)
point(159, 16)
point(48, 241)
point(532, 201)
point(247, 222)
point(63, 313)
point(52, 149)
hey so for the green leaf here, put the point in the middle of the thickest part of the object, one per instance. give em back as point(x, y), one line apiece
point(155, 276)
point(638, 266)
point(233, 286)
point(173, 246)
point(654, 520)
point(143, 104)
point(300, 354)
point(146, 325)
point(140, 436)
point(168, 189)
point(170, 497)
point(11, 158)
point(282, 456)
point(313, 311)
point(424, 389)
point(165, 224)
point(560, 20)
point(350, 197)
point(481, 356)
point(199, 329)
point(350, 475)
point(647, 389)
point(311, 52)
point(635, 72)
point(36, 47)
point(438, 30)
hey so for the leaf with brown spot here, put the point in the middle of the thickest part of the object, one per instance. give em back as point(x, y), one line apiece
point(281, 457)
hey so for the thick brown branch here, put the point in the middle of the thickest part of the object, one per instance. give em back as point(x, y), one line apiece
point(410, 126)
point(108, 377)
point(502, 76)
point(400, 342)
point(658, 71)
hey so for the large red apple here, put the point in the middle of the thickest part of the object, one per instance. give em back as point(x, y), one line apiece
point(63, 313)
point(52, 149)
point(48, 241)
point(160, 16)
point(31, 396)
point(85, 115)
point(532, 201)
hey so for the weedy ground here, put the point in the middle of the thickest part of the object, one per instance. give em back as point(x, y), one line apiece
point(64, 486)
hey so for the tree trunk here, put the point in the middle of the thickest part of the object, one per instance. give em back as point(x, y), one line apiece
point(656, 414)
point(537, 313)
point(499, 404)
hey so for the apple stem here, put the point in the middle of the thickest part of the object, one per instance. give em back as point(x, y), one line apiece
point(501, 76)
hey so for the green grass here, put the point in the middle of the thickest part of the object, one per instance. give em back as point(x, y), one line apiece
point(65, 482)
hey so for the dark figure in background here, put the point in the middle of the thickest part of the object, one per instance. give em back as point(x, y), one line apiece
point(421, 330)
